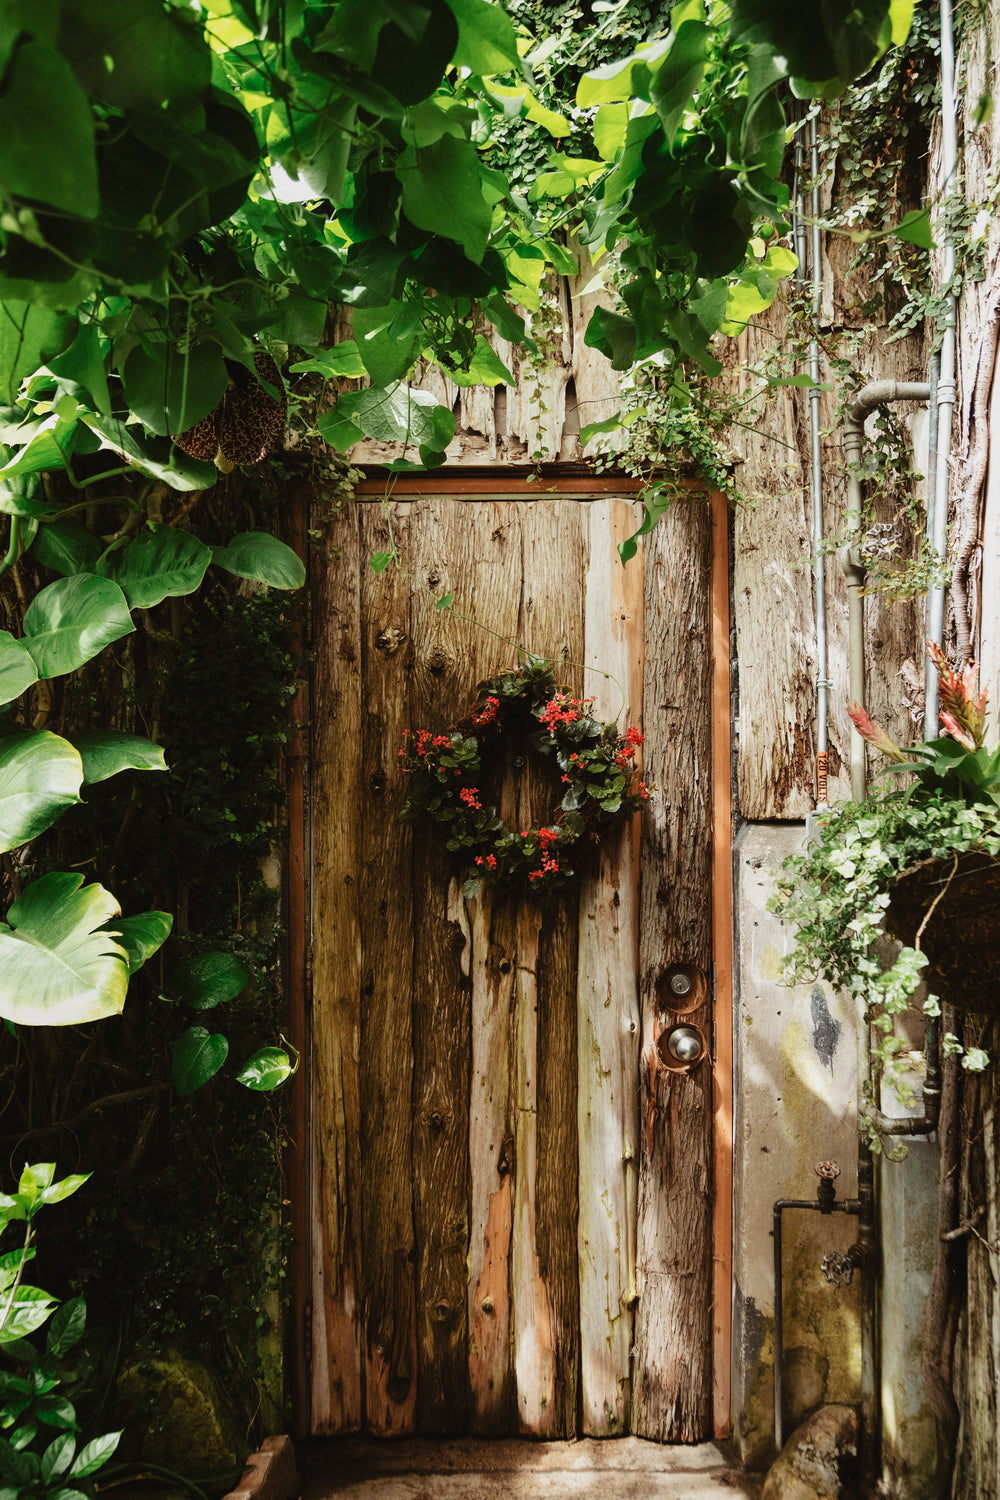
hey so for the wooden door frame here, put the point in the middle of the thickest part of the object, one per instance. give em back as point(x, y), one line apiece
point(555, 482)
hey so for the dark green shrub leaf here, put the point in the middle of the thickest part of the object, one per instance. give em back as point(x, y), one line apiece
point(197, 1056)
point(66, 1328)
point(208, 979)
point(94, 1455)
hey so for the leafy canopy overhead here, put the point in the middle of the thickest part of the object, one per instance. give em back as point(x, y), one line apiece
point(182, 183)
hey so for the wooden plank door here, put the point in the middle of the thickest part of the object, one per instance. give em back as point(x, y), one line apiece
point(511, 1192)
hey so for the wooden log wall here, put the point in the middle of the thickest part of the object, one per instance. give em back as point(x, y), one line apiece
point(480, 1147)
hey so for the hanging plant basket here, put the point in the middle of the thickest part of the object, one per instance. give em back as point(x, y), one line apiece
point(962, 934)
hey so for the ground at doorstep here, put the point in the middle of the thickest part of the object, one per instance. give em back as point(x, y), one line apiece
point(509, 1469)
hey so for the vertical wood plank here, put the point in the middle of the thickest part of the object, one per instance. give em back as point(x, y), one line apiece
point(534, 1340)
point(335, 1400)
point(672, 1368)
point(722, 963)
point(491, 1161)
point(491, 594)
point(386, 1056)
point(441, 554)
point(608, 1017)
point(553, 627)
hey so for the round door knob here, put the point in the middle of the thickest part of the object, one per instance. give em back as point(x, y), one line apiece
point(686, 1044)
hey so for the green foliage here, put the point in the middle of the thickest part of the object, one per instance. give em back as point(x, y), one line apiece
point(838, 892)
point(40, 1454)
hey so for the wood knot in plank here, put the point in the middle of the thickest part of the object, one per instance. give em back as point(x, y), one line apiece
point(438, 659)
point(389, 640)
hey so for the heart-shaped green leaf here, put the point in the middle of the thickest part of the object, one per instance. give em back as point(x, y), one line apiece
point(207, 979)
point(160, 564)
point(105, 752)
point(73, 620)
point(141, 935)
point(40, 776)
point(197, 1056)
point(260, 556)
point(17, 670)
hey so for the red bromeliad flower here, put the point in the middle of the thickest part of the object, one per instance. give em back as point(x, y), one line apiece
point(963, 706)
point(874, 733)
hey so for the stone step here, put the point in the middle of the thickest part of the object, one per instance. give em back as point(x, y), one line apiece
point(511, 1469)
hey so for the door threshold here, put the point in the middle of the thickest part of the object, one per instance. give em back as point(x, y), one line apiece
point(627, 1468)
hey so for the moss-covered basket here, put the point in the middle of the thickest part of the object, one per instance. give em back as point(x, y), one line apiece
point(962, 935)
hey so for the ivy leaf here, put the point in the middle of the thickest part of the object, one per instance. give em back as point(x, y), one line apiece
point(47, 133)
point(915, 228)
point(40, 776)
point(485, 368)
point(443, 193)
point(197, 1056)
point(679, 74)
point(57, 967)
point(132, 53)
point(29, 336)
point(487, 42)
point(73, 620)
point(380, 561)
point(262, 557)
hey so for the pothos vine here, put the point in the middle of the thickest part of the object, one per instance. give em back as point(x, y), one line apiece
point(596, 762)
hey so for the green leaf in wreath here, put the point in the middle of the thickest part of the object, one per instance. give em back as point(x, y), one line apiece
point(72, 620)
point(262, 557)
point(197, 1056)
point(57, 967)
point(40, 776)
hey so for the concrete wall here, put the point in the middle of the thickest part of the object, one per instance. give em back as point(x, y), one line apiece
point(795, 1066)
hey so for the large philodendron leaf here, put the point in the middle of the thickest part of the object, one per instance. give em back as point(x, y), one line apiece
point(72, 620)
point(141, 936)
point(262, 557)
point(105, 752)
point(160, 564)
point(40, 776)
point(56, 967)
point(17, 670)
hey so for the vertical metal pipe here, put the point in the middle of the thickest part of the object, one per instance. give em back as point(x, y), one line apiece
point(937, 518)
point(819, 566)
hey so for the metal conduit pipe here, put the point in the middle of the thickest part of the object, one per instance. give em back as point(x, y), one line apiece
point(937, 513)
point(876, 393)
point(826, 1202)
point(823, 683)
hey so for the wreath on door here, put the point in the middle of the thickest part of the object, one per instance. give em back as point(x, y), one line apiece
point(602, 788)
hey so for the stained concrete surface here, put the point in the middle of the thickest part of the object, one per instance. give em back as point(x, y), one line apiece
point(615, 1469)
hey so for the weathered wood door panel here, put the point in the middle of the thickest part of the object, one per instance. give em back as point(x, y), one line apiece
point(486, 1146)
